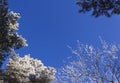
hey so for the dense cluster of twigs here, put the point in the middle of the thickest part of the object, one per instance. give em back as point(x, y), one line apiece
point(91, 65)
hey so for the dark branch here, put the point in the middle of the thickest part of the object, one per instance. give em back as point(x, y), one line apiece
point(99, 7)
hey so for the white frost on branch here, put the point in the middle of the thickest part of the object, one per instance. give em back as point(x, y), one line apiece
point(25, 67)
point(12, 20)
point(91, 65)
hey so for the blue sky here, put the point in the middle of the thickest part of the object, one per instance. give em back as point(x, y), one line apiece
point(50, 25)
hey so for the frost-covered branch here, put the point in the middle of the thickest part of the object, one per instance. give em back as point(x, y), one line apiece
point(92, 65)
point(26, 69)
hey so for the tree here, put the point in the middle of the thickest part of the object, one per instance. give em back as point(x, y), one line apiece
point(19, 70)
point(99, 7)
point(92, 65)
point(10, 40)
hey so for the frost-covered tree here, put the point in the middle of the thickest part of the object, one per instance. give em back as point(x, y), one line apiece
point(99, 7)
point(92, 65)
point(18, 70)
point(26, 69)
point(9, 38)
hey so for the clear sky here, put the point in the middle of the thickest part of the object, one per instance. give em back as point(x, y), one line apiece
point(50, 25)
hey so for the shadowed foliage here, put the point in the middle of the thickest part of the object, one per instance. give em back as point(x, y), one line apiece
point(3, 31)
point(99, 7)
